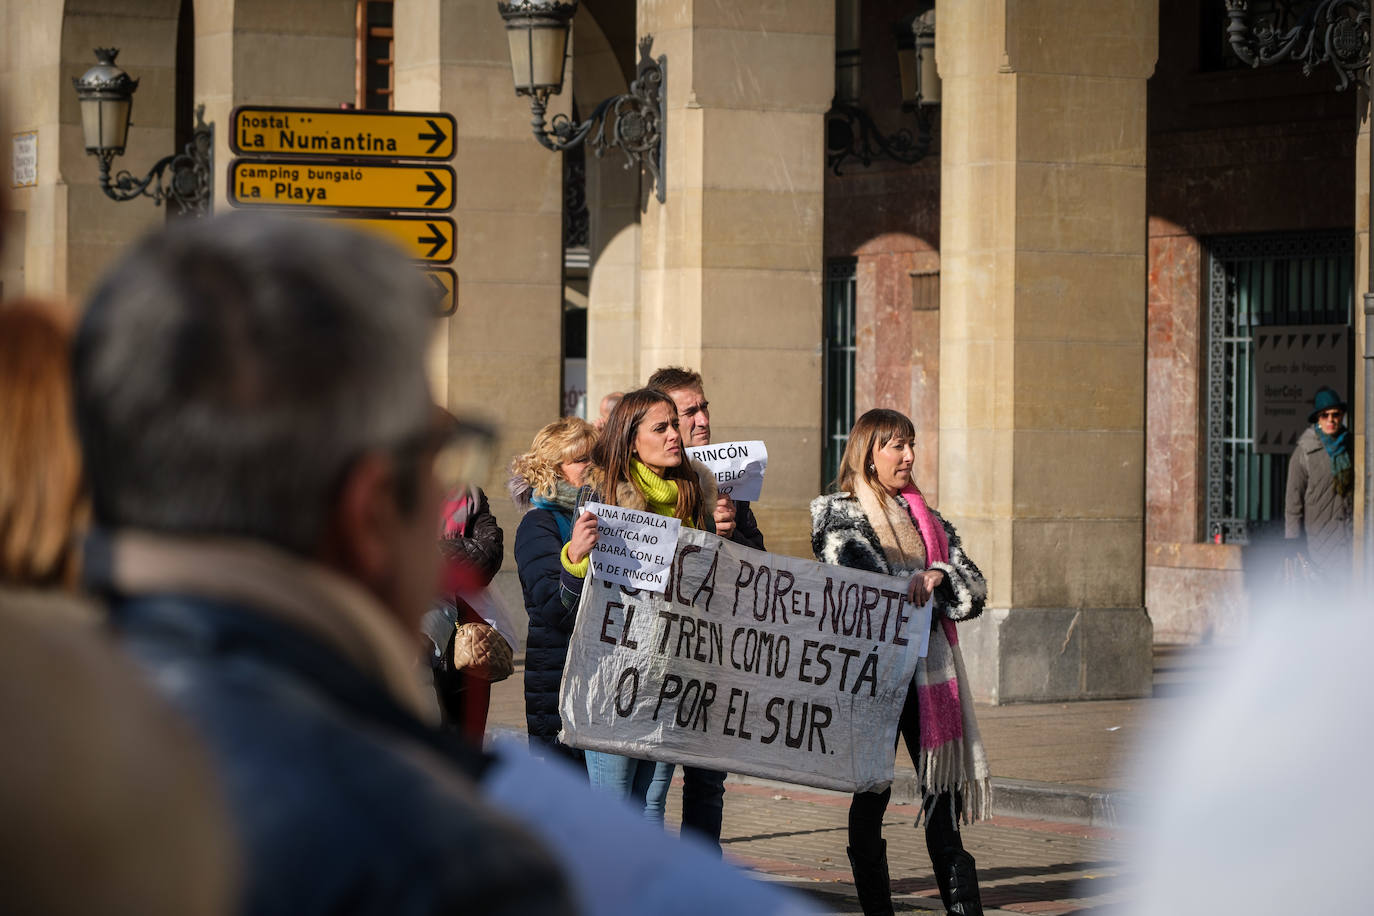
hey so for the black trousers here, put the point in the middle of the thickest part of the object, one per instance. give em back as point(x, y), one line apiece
point(866, 809)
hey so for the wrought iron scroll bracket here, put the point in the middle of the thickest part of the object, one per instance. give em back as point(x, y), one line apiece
point(632, 123)
point(1334, 32)
point(851, 133)
point(181, 178)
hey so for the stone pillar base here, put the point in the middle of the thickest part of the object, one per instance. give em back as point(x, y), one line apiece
point(1050, 654)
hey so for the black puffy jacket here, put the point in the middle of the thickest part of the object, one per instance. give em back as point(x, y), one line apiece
point(537, 547)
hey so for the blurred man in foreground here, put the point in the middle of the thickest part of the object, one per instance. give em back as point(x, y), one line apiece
point(265, 462)
point(260, 441)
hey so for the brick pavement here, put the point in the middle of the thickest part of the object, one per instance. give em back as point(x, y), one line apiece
point(797, 835)
point(1027, 865)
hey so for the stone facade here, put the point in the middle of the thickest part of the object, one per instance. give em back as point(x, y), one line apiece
point(1057, 372)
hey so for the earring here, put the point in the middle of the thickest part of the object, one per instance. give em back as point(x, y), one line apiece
point(871, 469)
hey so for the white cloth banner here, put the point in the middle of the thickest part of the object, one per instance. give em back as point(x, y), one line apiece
point(749, 662)
point(633, 548)
point(738, 467)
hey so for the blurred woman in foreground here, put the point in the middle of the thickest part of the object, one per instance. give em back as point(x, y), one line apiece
point(43, 506)
point(110, 803)
point(879, 521)
point(638, 464)
point(544, 483)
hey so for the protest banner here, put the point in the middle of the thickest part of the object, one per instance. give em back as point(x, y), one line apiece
point(748, 662)
point(738, 467)
point(633, 548)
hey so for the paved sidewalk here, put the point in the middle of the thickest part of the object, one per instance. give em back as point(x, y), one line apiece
point(1061, 782)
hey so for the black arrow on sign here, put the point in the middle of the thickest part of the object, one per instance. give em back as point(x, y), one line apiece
point(435, 238)
point(440, 290)
point(437, 135)
point(437, 187)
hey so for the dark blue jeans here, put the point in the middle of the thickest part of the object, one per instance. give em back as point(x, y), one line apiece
point(703, 804)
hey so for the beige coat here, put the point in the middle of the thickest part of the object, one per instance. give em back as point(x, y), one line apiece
point(1312, 507)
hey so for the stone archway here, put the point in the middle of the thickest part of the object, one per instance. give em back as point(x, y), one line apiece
point(613, 194)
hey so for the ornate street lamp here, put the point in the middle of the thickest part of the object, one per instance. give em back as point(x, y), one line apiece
point(106, 93)
point(1335, 32)
point(538, 34)
point(851, 131)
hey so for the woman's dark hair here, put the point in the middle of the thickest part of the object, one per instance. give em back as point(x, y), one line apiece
point(614, 451)
point(872, 430)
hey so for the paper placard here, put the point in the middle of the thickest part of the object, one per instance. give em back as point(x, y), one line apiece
point(748, 662)
point(633, 548)
point(738, 467)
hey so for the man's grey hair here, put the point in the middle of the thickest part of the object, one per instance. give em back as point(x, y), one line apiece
point(228, 371)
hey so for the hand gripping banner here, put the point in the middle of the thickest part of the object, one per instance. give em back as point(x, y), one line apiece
point(748, 662)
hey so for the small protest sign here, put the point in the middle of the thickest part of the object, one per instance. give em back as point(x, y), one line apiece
point(748, 662)
point(738, 467)
point(633, 548)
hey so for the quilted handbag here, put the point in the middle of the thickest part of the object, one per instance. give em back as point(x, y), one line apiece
point(482, 652)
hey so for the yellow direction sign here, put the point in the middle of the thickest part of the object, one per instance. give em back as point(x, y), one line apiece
point(445, 285)
point(282, 184)
point(264, 130)
point(424, 238)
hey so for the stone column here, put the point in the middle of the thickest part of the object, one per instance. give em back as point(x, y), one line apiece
point(251, 52)
point(1042, 338)
point(730, 264)
point(1364, 177)
point(613, 194)
point(499, 357)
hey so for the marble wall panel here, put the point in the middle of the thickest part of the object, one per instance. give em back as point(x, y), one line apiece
point(1173, 399)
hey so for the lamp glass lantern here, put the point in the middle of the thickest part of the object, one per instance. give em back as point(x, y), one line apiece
point(927, 76)
point(537, 31)
point(106, 94)
point(907, 61)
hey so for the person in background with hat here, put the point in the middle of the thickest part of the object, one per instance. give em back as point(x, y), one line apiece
point(1321, 486)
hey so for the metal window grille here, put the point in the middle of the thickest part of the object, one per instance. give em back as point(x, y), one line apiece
point(840, 291)
point(1252, 281)
point(375, 55)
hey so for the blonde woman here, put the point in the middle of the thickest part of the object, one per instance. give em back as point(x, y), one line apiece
point(544, 483)
point(879, 521)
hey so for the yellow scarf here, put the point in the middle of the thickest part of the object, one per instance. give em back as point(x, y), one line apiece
point(660, 494)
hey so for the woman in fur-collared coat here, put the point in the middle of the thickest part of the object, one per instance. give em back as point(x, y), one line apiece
point(638, 463)
point(879, 521)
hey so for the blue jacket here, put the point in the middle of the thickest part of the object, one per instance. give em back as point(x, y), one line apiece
point(345, 802)
point(538, 542)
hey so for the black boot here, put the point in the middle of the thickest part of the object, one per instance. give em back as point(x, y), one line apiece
point(958, 881)
point(954, 867)
point(870, 880)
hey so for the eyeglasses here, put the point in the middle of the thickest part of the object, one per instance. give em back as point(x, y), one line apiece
point(1330, 414)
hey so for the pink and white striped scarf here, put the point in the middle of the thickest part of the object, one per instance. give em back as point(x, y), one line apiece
point(952, 754)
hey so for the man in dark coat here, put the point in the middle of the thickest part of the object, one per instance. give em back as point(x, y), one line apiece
point(262, 446)
point(1320, 500)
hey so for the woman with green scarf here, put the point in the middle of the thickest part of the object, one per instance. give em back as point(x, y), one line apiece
point(638, 463)
point(1321, 486)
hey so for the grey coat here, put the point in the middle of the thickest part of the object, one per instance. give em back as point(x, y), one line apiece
point(1313, 508)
